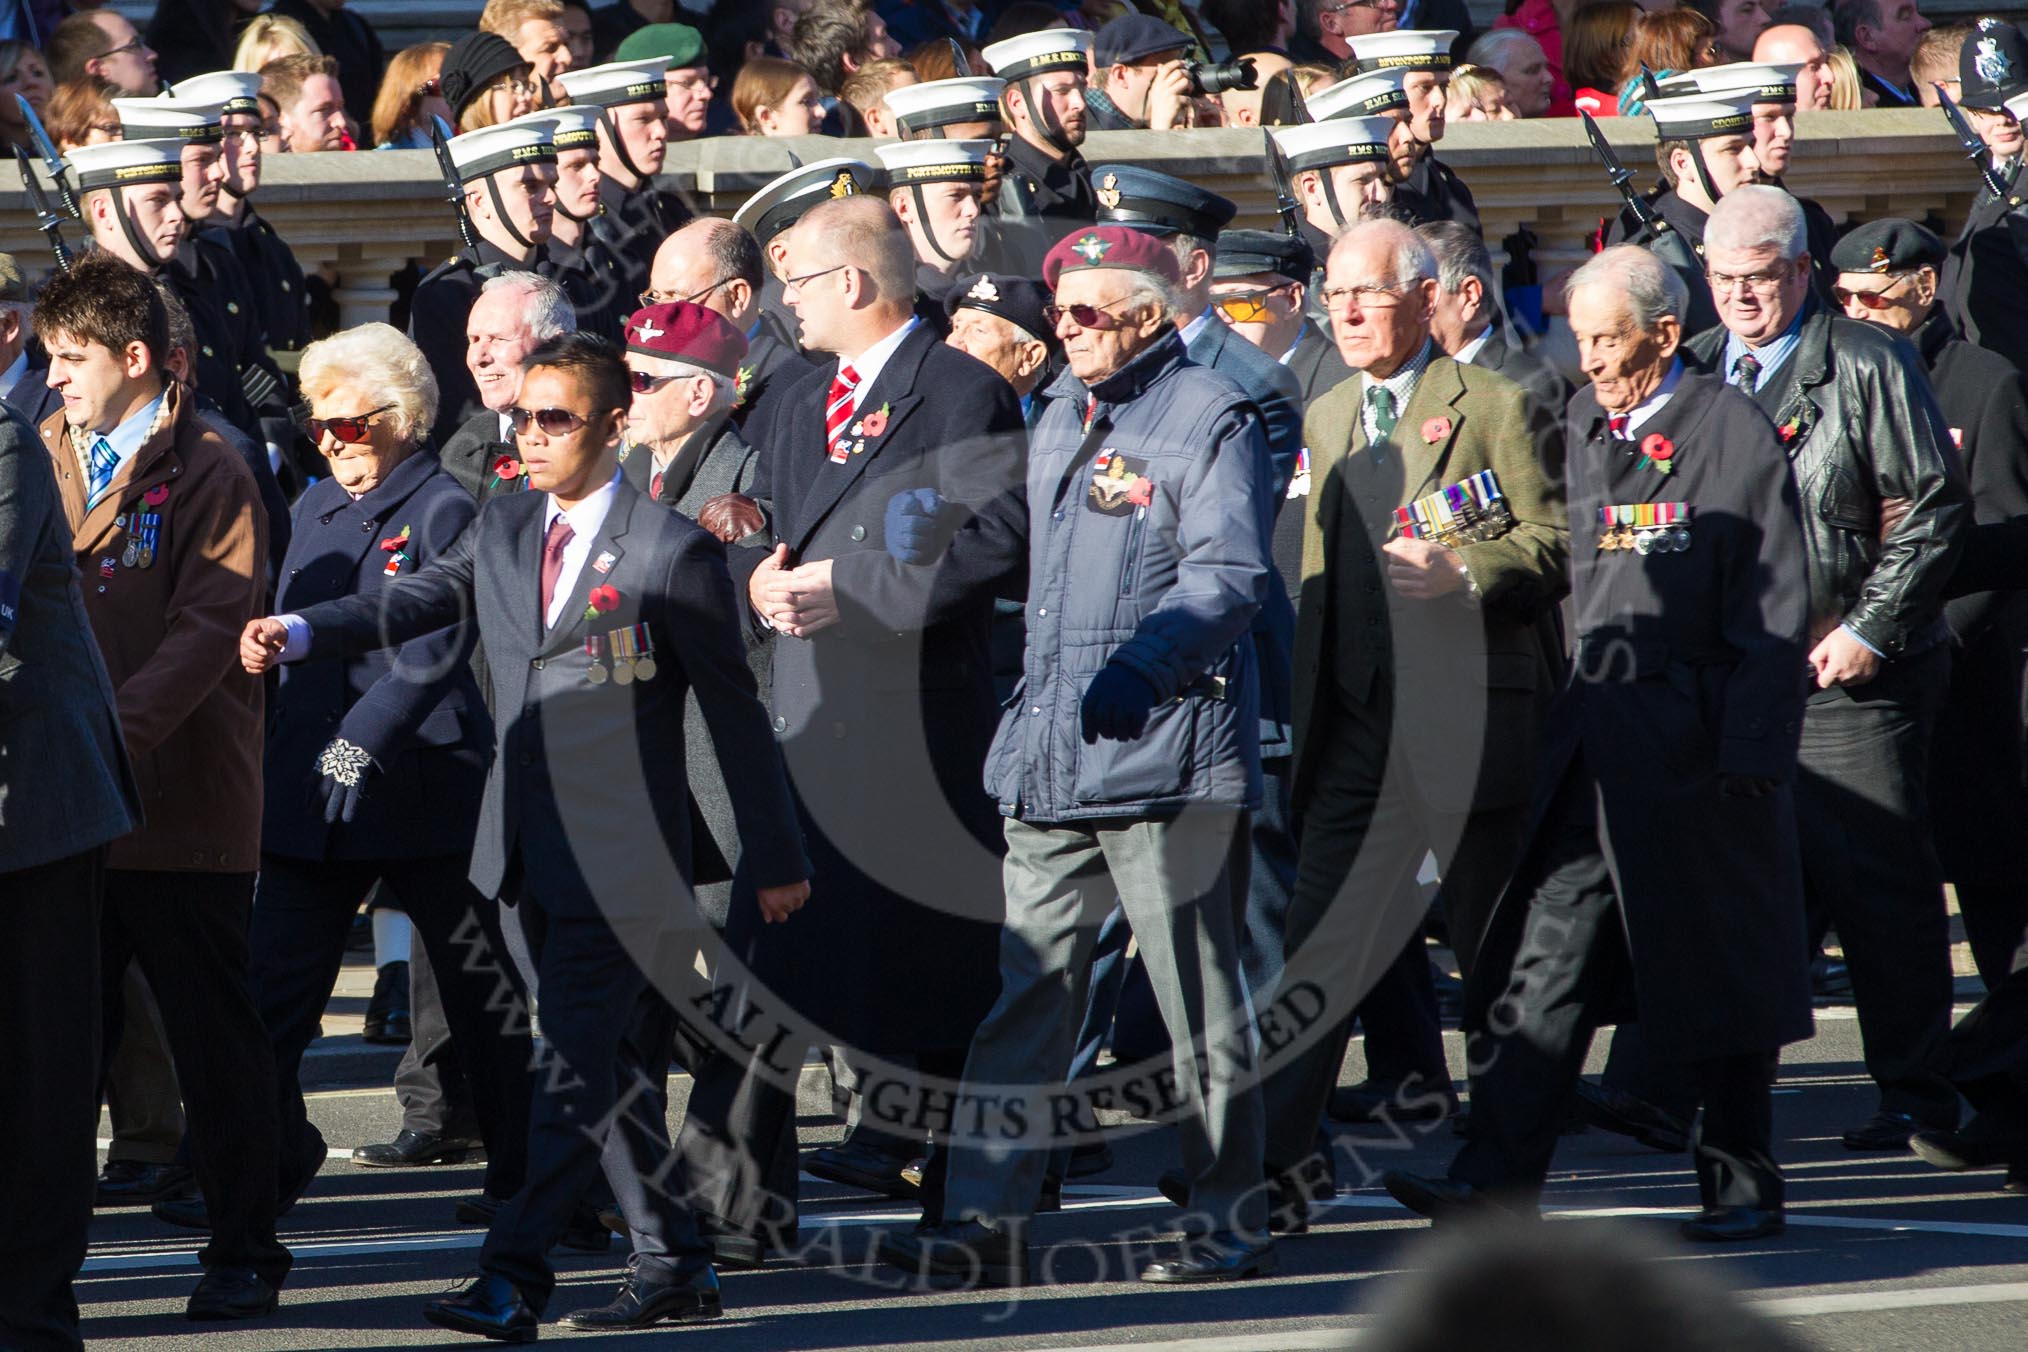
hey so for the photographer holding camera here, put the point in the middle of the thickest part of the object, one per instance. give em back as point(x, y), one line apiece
point(1146, 80)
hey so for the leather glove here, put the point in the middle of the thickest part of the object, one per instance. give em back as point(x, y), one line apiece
point(1116, 706)
point(343, 768)
point(1746, 786)
point(911, 526)
point(731, 517)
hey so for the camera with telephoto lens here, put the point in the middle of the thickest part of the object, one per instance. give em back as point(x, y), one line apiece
point(1207, 77)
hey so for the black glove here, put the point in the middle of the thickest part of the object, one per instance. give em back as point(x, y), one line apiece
point(1746, 786)
point(1116, 705)
point(343, 768)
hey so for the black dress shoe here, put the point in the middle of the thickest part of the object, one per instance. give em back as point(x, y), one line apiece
point(1615, 1111)
point(1441, 1199)
point(1093, 1157)
point(185, 1212)
point(1383, 1101)
point(1726, 1224)
point(1959, 1151)
point(971, 1251)
point(132, 1183)
point(414, 1149)
point(189, 1212)
point(1221, 1256)
point(1173, 1185)
point(1051, 1198)
point(1886, 1133)
point(231, 1293)
point(491, 1307)
point(649, 1300)
point(387, 1016)
point(857, 1165)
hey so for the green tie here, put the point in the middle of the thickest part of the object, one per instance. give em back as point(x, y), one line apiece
point(1384, 416)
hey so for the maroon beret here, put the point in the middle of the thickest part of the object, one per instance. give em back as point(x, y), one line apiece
point(1111, 246)
point(682, 331)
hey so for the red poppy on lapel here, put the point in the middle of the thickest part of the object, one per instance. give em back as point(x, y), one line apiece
point(506, 469)
point(156, 496)
point(1659, 450)
point(1436, 429)
point(604, 600)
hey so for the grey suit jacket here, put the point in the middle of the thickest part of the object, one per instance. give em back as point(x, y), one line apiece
point(64, 782)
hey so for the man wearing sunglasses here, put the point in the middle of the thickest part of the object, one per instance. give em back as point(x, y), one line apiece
point(718, 264)
point(1887, 272)
point(633, 140)
point(602, 614)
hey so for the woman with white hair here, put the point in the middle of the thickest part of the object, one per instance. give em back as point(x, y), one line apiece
point(375, 764)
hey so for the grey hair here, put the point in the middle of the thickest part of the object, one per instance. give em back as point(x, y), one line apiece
point(1650, 287)
point(1756, 217)
point(723, 387)
point(1412, 259)
point(1460, 253)
point(546, 311)
point(1148, 288)
point(1491, 48)
point(381, 358)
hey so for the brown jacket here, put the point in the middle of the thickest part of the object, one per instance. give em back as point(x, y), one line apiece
point(169, 632)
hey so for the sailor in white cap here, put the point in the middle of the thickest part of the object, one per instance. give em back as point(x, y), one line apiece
point(584, 266)
point(509, 178)
point(934, 187)
point(631, 101)
point(1341, 170)
point(1423, 56)
point(780, 203)
point(1046, 192)
point(963, 109)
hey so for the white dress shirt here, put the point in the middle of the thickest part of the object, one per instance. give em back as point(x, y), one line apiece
point(585, 520)
point(1655, 402)
point(868, 364)
point(1468, 352)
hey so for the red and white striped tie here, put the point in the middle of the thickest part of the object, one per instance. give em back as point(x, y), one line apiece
point(838, 410)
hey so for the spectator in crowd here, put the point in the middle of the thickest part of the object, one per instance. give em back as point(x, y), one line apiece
point(486, 82)
point(866, 87)
point(833, 38)
point(410, 95)
point(1599, 54)
point(23, 72)
point(1667, 42)
point(1138, 80)
point(514, 314)
point(1546, 21)
point(343, 34)
point(81, 113)
point(1882, 36)
point(1936, 62)
point(1848, 83)
point(191, 37)
point(1534, 87)
point(1252, 25)
point(776, 98)
point(101, 42)
point(576, 23)
point(1330, 26)
point(1738, 24)
point(687, 82)
point(1797, 44)
point(1242, 107)
point(1816, 18)
point(534, 28)
point(309, 103)
point(617, 20)
point(269, 38)
point(915, 23)
point(1477, 94)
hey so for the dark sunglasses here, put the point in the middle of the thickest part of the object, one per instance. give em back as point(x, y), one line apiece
point(351, 431)
point(643, 383)
point(554, 422)
point(1084, 316)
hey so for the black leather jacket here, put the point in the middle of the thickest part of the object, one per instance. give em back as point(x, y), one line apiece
point(1855, 409)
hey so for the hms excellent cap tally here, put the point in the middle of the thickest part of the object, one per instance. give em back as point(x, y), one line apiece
point(1376, 92)
point(1039, 53)
point(941, 103)
point(1342, 140)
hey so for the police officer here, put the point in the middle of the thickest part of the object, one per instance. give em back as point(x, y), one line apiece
point(509, 177)
point(1988, 263)
point(1423, 56)
point(587, 271)
point(630, 97)
point(1048, 188)
point(934, 188)
point(779, 204)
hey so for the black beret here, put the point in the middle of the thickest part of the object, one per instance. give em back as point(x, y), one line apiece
point(1243, 253)
point(475, 61)
point(1890, 245)
point(1018, 300)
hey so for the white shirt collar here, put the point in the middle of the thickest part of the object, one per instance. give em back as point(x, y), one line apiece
point(1652, 405)
point(589, 514)
point(1195, 327)
point(506, 429)
point(1469, 351)
point(869, 363)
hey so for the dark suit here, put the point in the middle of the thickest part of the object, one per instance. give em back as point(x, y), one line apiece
point(31, 396)
point(64, 779)
point(600, 766)
point(1681, 247)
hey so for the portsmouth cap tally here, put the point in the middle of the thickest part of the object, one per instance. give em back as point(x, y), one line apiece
point(491, 149)
point(1151, 200)
point(909, 162)
point(1367, 95)
point(179, 118)
point(616, 83)
point(920, 108)
point(1342, 140)
point(123, 164)
point(1039, 53)
point(782, 201)
point(1407, 49)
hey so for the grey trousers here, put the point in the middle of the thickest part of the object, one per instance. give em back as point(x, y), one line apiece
point(1183, 882)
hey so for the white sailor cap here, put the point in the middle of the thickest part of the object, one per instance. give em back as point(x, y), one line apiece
point(1698, 117)
point(491, 149)
point(164, 117)
point(1039, 53)
point(1405, 49)
point(940, 103)
point(571, 127)
point(909, 162)
point(1342, 140)
point(782, 201)
point(1378, 91)
point(123, 164)
point(616, 83)
point(1768, 83)
point(235, 91)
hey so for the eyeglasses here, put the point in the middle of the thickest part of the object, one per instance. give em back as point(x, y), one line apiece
point(135, 46)
point(1084, 316)
point(1872, 300)
point(431, 88)
point(695, 84)
point(798, 283)
point(1246, 307)
point(352, 431)
point(640, 382)
point(1369, 296)
point(648, 298)
point(1760, 283)
point(554, 422)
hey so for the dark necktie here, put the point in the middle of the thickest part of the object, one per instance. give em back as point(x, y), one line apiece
point(1746, 372)
point(553, 545)
point(1384, 413)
